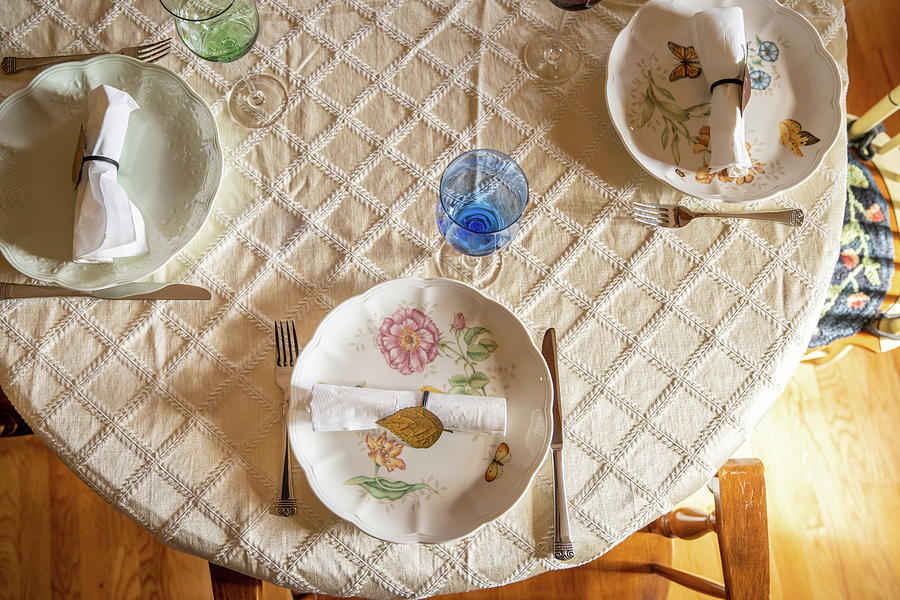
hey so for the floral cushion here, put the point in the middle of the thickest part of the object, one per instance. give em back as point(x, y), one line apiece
point(865, 266)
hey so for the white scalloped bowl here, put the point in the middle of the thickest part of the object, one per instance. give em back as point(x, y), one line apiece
point(171, 166)
point(793, 78)
point(440, 493)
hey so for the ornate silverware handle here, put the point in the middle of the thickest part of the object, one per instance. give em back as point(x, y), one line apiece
point(17, 290)
point(792, 216)
point(13, 64)
point(286, 505)
point(562, 543)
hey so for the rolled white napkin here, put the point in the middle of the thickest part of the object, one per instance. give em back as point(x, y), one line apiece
point(107, 223)
point(346, 408)
point(718, 37)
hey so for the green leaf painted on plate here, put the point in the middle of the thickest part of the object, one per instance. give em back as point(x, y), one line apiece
point(648, 109)
point(676, 152)
point(478, 380)
point(478, 352)
point(664, 136)
point(457, 381)
point(472, 333)
point(664, 92)
point(490, 345)
point(458, 390)
point(386, 489)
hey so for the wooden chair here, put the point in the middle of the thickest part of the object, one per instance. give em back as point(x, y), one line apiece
point(638, 567)
point(885, 168)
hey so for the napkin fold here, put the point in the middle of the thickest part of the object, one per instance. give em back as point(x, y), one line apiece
point(107, 223)
point(718, 38)
point(346, 408)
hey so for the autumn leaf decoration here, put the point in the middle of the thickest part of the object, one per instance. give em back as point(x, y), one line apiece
point(415, 425)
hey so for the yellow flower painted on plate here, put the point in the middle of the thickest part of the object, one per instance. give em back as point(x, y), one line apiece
point(384, 452)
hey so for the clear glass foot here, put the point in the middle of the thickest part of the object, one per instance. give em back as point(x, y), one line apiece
point(551, 58)
point(475, 270)
point(257, 100)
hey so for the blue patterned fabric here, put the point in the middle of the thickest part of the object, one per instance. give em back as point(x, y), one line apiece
point(862, 275)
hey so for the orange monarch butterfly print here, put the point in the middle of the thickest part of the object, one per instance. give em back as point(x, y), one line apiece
point(501, 457)
point(689, 62)
point(793, 136)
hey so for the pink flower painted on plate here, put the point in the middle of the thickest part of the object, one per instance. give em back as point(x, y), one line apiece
point(857, 300)
point(850, 258)
point(459, 322)
point(874, 214)
point(408, 340)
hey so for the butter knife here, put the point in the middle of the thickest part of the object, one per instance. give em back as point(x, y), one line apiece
point(562, 543)
point(128, 291)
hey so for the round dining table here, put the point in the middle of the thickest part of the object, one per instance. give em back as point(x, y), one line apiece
point(673, 343)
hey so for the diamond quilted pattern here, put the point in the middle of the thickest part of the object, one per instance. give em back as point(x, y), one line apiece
point(347, 148)
point(88, 423)
point(710, 298)
point(672, 342)
point(417, 79)
point(114, 446)
point(74, 335)
point(343, 84)
point(384, 112)
point(155, 420)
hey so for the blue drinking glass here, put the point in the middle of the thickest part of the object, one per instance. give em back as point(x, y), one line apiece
point(482, 198)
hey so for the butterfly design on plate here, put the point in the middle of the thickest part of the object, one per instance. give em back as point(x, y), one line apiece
point(793, 136)
point(501, 457)
point(688, 65)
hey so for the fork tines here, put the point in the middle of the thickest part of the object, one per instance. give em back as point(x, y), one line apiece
point(651, 214)
point(286, 348)
point(155, 51)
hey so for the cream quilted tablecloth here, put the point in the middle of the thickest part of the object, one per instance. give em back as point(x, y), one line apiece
point(673, 343)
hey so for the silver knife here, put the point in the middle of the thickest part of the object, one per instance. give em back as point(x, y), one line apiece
point(128, 291)
point(562, 543)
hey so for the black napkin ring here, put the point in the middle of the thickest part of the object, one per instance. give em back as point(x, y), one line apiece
point(105, 159)
point(97, 157)
point(733, 80)
point(425, 395)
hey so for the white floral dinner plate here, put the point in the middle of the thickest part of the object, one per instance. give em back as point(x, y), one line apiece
point(658, 99)
point(407, 334)
point(171, 165)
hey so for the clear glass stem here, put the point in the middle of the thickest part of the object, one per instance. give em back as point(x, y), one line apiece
point(471, 263)
point(555, 50)
point(256, 98)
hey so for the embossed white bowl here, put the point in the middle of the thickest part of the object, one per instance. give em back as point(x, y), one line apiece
point(171, 166)
point(794, 79)
point(439, 493)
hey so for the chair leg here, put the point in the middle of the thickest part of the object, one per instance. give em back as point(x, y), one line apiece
point(11, 422)
point(231, 585)
point(690, 581)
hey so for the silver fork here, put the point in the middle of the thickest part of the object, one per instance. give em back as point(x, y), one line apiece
point(658, 215)
point(148, 53)
point(286, 352)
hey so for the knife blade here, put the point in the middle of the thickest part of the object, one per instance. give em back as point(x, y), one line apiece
point(129, 291)
point(562, 543)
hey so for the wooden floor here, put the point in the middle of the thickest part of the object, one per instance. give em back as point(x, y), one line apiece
point(830, 447)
